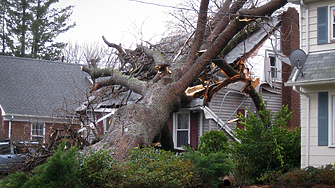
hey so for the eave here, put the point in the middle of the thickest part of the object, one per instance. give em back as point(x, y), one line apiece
point(311, 82)
point(297, 2)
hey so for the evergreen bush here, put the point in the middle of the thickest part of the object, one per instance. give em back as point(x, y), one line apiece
point(98, 169)
point(213, 141)
point(59, 171)
point(211, 160)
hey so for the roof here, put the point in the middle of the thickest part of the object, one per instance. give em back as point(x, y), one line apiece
point(252, 42)
point(33, 87)
point(110, 101)
point(318, 69)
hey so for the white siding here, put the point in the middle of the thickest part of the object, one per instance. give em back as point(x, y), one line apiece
point(313, 46)
point(318, 155)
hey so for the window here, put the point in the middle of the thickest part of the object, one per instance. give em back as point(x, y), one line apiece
point(181, 129)
point(323, 19)
point(107, 123)
point(5, 148)
point(37, 132)
point(273, 67)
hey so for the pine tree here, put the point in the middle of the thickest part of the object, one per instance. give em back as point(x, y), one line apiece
point(31, 27)
point(47, 24)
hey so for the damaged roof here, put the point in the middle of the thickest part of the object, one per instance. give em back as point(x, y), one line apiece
point(318, 69)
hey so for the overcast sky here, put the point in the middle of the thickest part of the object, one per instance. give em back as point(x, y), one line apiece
point(117, 20)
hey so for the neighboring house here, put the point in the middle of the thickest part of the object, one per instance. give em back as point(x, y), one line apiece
point(37, 96)
point(317, 84)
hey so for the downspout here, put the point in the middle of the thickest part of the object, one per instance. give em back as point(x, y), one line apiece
point(307, 27)
point(307, 115)
point(10, 127)
point(295, 77)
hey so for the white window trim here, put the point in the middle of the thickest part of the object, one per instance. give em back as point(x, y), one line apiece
point(31, 131)
point(332, 129)
point(175, 121)
point(105, 123)
point(268, 73)
point(332, 23)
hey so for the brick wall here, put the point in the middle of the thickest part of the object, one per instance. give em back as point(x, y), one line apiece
point(21, 130)
point(289, 42)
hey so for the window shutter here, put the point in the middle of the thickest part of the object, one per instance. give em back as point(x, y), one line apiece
point(100, 124)
point(323, 119)
point(242, 111)
point(170, 123)
point(322, 24)
point(194, 130)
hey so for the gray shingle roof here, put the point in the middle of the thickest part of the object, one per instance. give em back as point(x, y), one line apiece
point(319, 68)
point(40, 88)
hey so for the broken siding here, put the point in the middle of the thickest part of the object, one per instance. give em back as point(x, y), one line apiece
point(231, 102)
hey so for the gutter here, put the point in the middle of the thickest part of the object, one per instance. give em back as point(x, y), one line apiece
point(311, 82)
point(10, 127)
point(307, 27)
point(307, 115)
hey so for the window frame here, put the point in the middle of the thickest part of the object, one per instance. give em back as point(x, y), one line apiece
point(106, 123)
point(332, 23)
point(269, 54)
point(37, 135)
point(175, 128)
point(273, 74)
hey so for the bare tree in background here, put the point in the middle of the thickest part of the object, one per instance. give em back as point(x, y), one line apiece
point(87, 53)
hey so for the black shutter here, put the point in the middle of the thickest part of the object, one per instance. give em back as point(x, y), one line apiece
point(323, 119)
point(322, 24)
point(194, 129)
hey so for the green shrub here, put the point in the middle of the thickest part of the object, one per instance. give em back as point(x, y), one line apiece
point(14, 180)
point(149, 167)
point(210, 167)
point(212, 142)
point(59, 171)
point(241, 171)
point(98, 169)
point(211, 160)
point(266, 143)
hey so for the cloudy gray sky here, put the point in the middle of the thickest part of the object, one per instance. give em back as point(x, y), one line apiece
point(119, 21)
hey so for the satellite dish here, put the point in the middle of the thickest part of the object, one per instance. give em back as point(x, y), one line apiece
point(298, 58)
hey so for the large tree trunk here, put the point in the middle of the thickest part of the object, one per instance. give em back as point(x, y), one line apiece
point(138, 124)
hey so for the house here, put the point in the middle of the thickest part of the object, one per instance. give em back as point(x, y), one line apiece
point(316, 82)
point(269, 62)
point(195, 118)
point(37, 96)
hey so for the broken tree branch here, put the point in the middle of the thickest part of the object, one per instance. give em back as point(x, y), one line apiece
point(117, 77)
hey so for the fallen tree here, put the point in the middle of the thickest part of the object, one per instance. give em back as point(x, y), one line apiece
point(164, 85)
